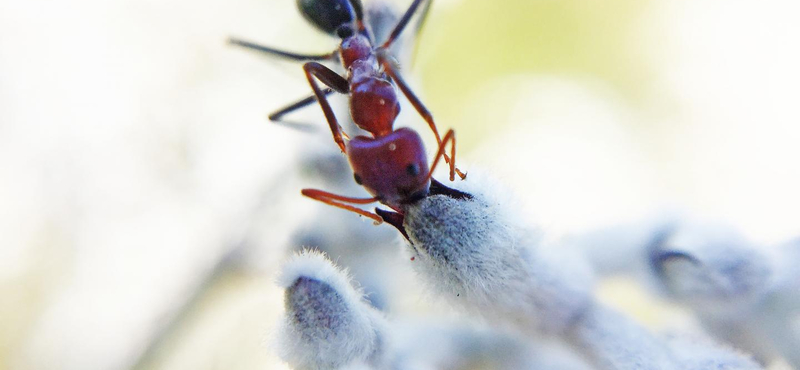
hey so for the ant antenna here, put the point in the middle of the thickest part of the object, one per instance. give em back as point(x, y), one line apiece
point(358, 9)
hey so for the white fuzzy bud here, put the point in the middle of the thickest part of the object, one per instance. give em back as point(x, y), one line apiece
point(327, 324)
point(613, 341)
point(441, 343)
point(703, 354)
point(741, 296)
point(480, 255)
point(713, 270)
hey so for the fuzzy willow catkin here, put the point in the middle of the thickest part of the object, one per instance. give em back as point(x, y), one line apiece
point(327, 323)
point(482, 256)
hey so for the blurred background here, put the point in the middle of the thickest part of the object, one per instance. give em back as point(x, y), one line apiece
point(146, 202)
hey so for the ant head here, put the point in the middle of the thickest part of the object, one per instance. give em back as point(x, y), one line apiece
point(392, 167)
point(329, 15)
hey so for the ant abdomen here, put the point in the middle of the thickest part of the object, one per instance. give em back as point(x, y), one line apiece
point(393, 168)
point(328, 15)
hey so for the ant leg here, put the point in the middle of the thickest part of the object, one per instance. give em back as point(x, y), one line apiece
point(449, 136)
point(337, 201)
point(401, 24)
point(358, 8)
point(280, 53)
point(276, 115)
point(424, 112)
point(338, 84)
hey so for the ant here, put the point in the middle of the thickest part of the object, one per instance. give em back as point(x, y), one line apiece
point(391, 163)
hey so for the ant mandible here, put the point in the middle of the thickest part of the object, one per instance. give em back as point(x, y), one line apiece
point(390, 163)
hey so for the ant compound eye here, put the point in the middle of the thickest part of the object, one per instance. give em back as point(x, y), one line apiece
point(412, 169)
point(357, 178)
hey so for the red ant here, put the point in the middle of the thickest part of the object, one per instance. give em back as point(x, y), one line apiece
point(391, 163)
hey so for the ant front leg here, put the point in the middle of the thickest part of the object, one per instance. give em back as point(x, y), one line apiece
point(338, 84)
point(280, 53)
point(450, 136)
point(275, 116)
point(337, 201)
point(358, 9)
point(421, 109)
point(401, 25)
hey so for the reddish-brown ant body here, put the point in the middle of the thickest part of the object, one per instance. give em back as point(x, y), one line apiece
point(391, 164)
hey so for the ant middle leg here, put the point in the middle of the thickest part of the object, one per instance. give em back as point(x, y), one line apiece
point(276, 115)
point(338, 84)
point(338, 201)
point(280, 53)
point(421, 109)
point(358, 8)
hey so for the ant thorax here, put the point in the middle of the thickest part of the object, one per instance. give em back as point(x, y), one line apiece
point(363, 69)
point(354, 48)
